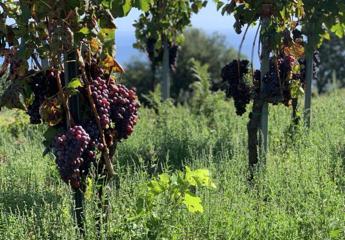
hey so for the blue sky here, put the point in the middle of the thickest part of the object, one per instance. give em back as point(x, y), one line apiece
point(208, 19)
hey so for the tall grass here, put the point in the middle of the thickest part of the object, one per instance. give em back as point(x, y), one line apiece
point(299, 195)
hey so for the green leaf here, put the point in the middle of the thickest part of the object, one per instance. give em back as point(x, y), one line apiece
point(200, 177)
point(50, 134)
point(107, 37)
point(107, 3)
point(74, 84)
point(121, 8)
point(85, 31)
point(154, 187)
point(164, 180)
point(143, 5)
point(193, 203)
point(338, 29)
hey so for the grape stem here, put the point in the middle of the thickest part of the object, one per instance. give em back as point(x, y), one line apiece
point(105, 151)
point(63, 100)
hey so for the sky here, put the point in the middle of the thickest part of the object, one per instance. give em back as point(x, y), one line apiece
point(208, 19)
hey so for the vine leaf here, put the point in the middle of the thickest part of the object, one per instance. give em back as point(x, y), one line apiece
point(74, 84)
point(110, 64)
point(107, 37)
point(51, 112)
point(142, 4)
point(200, 177)
point(338, 29)
point(17, 95)
point(193, 203)
point(49, 136)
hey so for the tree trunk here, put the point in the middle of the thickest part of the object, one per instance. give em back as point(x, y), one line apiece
point(153, 79)
point(253, 129)
point(258, 120)
point(308, 92)
point(166, 73)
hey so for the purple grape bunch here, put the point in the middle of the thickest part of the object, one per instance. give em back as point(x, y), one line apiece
point(124, 109)
point(100, 94)
point(233, 75)
point(69, 149)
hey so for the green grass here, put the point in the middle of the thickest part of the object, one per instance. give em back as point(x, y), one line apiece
point(299, 195)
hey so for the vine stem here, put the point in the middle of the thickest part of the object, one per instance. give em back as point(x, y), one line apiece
point(63, 99)
point(108, 164)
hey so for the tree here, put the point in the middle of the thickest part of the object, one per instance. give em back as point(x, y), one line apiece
point(332, 55)
point(159, 33)
point(211, 50)
point(320, 18)
point(207, 49)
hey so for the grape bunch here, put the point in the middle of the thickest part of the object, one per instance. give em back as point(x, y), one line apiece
point(43, 85)
point(69, 149)
point(94, 69)
point(316, 67)
point(276, 82)
point(237, 88)
point(124, 109)
point(100, 94)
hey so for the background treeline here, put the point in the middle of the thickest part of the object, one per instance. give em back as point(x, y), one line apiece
point(214, 51)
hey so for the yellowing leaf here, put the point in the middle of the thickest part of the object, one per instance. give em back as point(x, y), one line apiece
point(111, 64)
point(51, 111)
point(296, 50)
point(95, 45)
point(193, 203)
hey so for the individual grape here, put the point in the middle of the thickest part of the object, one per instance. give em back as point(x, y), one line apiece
point(69, 148)
point(124, 109)
point(233, 74)
point(100, 94)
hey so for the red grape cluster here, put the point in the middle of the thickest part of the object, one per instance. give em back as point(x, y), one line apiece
point(233, 75)
point(69, 149)
point(43, 85)
point(124, 109)
point(316, 67)
point(276, 83)
point(100, 94)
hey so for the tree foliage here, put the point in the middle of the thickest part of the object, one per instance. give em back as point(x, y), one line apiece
point(164, 22)
point(332, 56)
point(206, 49)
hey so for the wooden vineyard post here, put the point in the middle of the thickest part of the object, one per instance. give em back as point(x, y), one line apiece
point(265, 55)
point(166, 73)
point(258, 119)
point(309, 55)
point(71, 71)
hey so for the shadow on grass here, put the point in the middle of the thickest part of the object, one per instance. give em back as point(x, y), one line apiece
point(15, 201)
